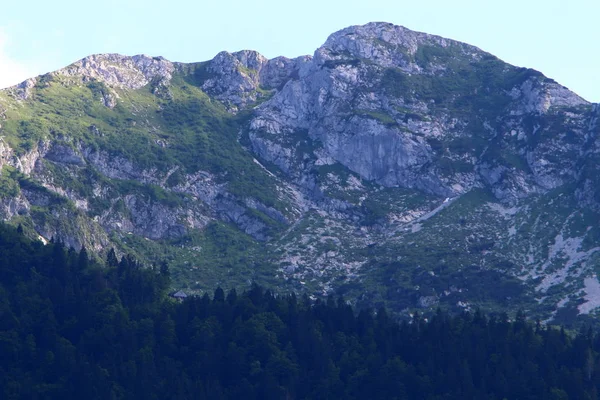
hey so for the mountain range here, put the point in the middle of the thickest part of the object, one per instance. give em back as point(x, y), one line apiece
point(392, 167)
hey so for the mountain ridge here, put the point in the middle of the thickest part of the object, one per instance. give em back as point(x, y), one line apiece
point(408, 38)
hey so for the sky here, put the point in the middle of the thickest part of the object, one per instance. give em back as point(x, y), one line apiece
point(557, 37)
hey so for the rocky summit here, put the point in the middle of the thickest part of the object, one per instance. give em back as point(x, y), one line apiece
point(392, 167)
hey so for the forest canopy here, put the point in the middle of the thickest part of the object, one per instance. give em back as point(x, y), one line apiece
point(71, 327)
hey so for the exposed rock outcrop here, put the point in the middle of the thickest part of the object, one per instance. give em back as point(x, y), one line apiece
point(359, 101)
point(120, 71)
point(241, 79)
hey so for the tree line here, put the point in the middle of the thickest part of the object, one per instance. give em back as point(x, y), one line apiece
point(71, 327)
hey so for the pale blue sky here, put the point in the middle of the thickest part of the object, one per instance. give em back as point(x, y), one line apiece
point(558, 37)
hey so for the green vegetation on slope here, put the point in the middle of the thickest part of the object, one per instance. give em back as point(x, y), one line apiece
point(218, 255)
point(188, 131)
point(142, 135)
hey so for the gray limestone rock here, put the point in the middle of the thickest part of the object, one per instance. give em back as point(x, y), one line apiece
point(342, 104)
point(120, 71)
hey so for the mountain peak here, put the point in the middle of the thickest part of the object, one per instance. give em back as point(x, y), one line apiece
point(120, 71)
point(234, 78)
point(387, 44)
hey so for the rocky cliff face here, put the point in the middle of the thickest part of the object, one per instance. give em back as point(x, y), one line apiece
point(359, 101)
point(391, 166)
point(241, 79)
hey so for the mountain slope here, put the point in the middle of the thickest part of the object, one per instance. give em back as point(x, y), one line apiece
point(393, 166)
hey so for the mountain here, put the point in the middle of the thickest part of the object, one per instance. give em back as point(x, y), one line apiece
point(393, 167)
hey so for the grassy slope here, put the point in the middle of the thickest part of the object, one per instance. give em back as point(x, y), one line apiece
point(199, 135)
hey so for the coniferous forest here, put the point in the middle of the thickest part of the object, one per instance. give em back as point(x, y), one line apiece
point(72, 328)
